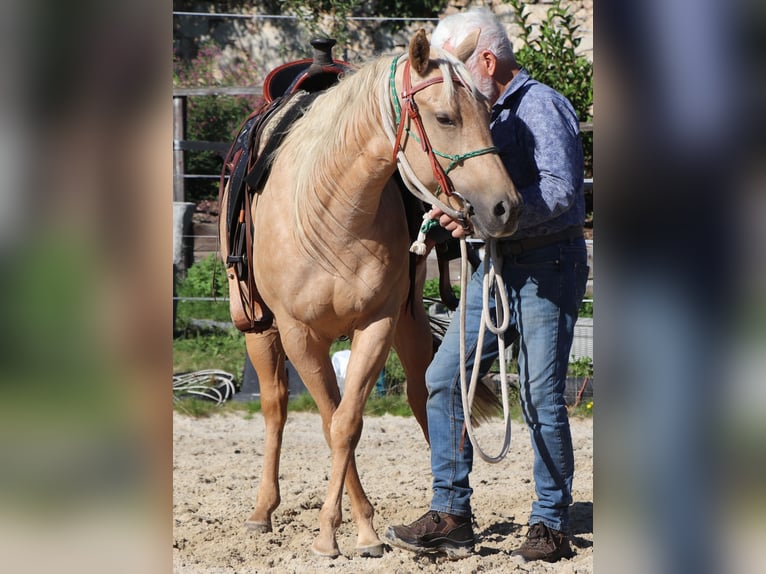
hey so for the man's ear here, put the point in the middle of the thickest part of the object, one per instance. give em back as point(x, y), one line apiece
point(489, 61)
point(467, 46)
point(420, 52)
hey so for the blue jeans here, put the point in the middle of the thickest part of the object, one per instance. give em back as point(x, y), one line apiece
point(545, 288)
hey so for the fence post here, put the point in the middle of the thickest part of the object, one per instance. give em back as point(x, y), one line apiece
point(179, 119)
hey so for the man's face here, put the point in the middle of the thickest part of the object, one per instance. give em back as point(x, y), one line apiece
point(482, 79)
point(477, 66)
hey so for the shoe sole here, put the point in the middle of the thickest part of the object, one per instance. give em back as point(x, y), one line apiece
point(452, 551)
point(553, 557)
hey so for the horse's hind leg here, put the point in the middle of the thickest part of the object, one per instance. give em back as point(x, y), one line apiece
point(413, 341)
point(268, 358)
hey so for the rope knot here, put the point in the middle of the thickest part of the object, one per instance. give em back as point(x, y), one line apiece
point(419, 246)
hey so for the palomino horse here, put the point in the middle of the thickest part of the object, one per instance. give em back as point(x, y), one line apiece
point(331, 254)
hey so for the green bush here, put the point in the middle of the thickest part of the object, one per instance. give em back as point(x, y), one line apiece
point(311, 14)
point(395, 404)
point(394, 377)
point(330, 18)
point(431, 289)
point(210, 350)
point(204, 279)
point(212, 118)
point(549, 56)
point(582, 367)
point(408, 9)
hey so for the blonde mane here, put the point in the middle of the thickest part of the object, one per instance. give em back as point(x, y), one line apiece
point(340, 120)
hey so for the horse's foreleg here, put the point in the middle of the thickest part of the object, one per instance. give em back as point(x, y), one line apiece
point(268, 358)
point(368, 354)
point(312, 361)
point(343, 435)
point(342, 424)
point(368, 543)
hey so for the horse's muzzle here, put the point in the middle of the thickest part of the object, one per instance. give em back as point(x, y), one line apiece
point(500, 220)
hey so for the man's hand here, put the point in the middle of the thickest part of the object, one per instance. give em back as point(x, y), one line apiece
point(449, 223)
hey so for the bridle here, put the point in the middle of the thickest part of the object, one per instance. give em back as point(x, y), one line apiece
point(407, 112)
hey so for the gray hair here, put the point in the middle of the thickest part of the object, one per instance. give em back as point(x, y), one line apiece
point(454, 28)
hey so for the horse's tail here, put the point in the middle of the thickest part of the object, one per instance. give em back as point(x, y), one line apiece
point(486, 405)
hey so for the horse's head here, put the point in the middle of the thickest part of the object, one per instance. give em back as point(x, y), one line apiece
point(443, 140)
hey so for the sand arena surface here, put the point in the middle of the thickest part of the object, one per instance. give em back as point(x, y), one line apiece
point(216, 471)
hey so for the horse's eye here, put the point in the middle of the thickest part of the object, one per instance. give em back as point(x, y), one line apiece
point(445, 119)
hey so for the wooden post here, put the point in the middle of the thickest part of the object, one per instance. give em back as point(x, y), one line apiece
point(179, 119)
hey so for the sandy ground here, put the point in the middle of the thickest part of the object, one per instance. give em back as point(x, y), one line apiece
point(216, 470)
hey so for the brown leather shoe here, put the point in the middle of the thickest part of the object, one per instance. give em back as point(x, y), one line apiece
point(434, 532)
point(544, 543)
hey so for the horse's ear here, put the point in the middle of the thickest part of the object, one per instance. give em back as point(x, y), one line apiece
point(467, 46)
point(420, 52)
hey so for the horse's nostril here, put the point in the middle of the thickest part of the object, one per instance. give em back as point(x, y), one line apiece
point(499, 209)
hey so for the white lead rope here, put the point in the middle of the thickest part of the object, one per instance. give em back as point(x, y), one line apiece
point(492, 277)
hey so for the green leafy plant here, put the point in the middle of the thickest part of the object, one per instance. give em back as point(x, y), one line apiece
point(431, 289)
point(395, 404)
point(205, 278)
point(394, 375)
point(200, 408)
point(407, 9)
point(549, 54)
point(214, 118)
point(582, 367)
point(324, 18)
point(583, 409)
point(195, 407)
point(303, 403)
point(199, 351)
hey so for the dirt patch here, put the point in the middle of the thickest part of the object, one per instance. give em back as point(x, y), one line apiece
point(216, 470)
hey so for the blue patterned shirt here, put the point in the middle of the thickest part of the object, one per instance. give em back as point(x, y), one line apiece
point(538, 134)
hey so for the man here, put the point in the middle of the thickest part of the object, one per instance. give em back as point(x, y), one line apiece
point(545, 272)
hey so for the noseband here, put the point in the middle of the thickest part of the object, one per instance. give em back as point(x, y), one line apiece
point(409, 109)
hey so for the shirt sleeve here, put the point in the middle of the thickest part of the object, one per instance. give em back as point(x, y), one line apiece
point(550, 138)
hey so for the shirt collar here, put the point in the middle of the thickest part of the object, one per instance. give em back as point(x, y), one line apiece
point(521, 78)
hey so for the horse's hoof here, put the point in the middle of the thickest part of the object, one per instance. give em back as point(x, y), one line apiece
point(373, 551)
point(257, 526)
point(332, 553)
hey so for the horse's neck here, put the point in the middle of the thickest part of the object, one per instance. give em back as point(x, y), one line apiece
point(357, 186)
point(356, 160)
point(351, 180)
point(342, 219)
point(340, 160)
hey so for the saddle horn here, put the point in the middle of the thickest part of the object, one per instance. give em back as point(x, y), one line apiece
point(311, 75)
point(322, 52)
